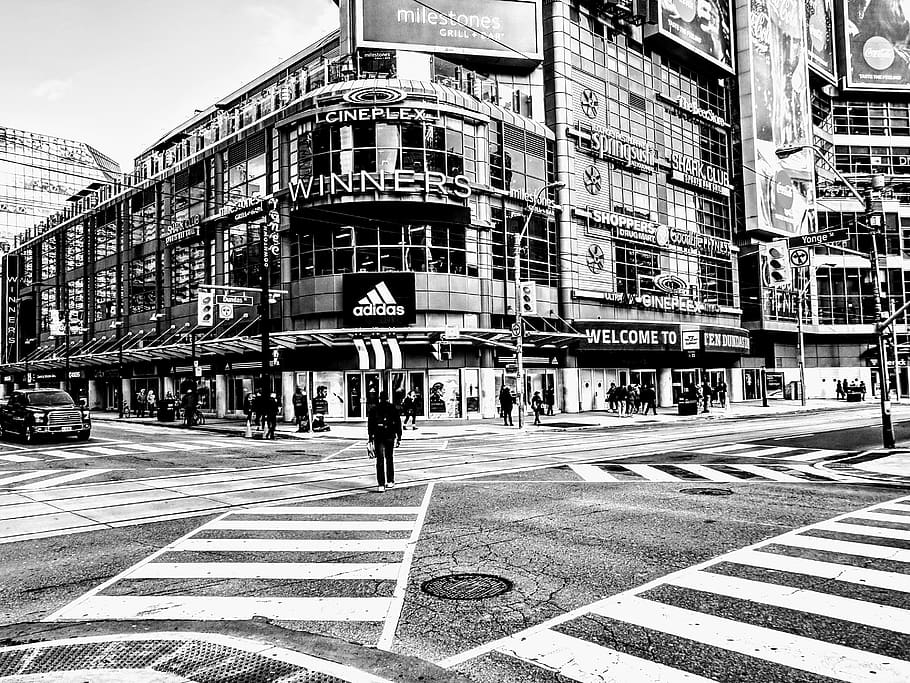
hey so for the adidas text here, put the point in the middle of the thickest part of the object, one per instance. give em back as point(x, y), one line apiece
point(378, 309)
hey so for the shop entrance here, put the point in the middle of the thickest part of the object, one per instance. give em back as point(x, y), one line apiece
point(682, 380)
point(362, 390)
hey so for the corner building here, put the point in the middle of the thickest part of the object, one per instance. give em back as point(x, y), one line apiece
point(401, 156)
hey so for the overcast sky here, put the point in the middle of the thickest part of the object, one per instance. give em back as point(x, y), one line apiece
point(117, 74)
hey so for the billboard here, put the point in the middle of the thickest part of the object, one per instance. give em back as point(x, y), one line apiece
point(877, 44)
point(504, 29)
point(775, 111)
point(379, 299)
point(820, 37)
point(704, 27)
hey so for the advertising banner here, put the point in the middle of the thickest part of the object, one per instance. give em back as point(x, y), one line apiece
point(11, 287)
point(379, 299)
point(702, 26)
point(877, 44)
point(820, 37)
point(774, 87)
point(505, 29)
point(632, 336)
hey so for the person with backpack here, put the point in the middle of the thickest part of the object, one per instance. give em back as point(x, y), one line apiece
point(384, 433)
point(537, 406)
point(301, 411)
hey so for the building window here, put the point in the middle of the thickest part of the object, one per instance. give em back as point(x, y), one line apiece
point(75, 300)
point(636, 267)
point(107, 242)
point(143, 284)
point(143, 217)
point(245, 170)
point(187, 272)
point(49, 256)
point(48, 304)
point(242, 255)
point(74, 246)
point(539, 261)
point(105, 282)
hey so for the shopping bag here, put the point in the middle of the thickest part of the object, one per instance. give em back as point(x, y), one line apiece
point(371, 450)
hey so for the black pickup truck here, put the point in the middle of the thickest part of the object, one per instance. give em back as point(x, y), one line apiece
point(44, 412)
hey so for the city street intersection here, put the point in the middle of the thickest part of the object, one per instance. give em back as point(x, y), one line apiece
point(730, 550)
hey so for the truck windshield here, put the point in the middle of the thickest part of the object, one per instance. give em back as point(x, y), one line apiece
point(50, 398)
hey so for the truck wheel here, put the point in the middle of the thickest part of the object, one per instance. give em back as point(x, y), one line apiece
point(83, 436)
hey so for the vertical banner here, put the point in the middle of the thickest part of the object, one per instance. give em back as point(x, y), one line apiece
point(876, 43)
point(12, 280)
point(775, 111)
point(820, 37)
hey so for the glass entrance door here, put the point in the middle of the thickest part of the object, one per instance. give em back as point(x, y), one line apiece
point(354, 395)
point(682, 380)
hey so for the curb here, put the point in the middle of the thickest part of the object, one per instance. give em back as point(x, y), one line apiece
point(201, 651)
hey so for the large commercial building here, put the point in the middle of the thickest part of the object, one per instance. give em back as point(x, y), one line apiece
point(379, 180)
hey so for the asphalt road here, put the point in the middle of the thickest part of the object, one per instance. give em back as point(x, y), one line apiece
point(578, 524)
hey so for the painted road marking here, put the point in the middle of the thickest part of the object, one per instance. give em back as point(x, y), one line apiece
point(59, 481)
point(17, 458)
point(267, 545)
point(876, 531)
point(99, 450)
point(768, 473)
point(708, 473)
point(654, 473)
point(142, 448)
point(748, 450)
point(292, 525)
point(592, 473)
point(650, 473)
point(340, 510)
point(820, 454)
point(343, 571)
point(774, 596)
point(26, 476)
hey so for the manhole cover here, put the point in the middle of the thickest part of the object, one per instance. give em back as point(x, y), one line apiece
point(466, 586)
point(708, 492)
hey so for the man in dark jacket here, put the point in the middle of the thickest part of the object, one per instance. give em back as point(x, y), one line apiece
point(505, 404)
point(270, 414)
point(384, 431)
point(649, 399)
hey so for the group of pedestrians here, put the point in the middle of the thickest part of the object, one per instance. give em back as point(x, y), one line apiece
point(707, 395)
point(540, 405)
point(855, 387)
point(632, 399)
point(261, 411)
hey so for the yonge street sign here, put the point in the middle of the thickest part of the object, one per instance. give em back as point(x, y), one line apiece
point(819, 239)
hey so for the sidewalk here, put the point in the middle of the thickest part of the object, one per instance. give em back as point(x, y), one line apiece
point(442, 429)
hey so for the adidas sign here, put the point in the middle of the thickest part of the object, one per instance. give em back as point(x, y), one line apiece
point(378, 301)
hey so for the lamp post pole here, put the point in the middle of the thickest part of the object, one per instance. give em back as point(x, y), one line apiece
point(519, 325)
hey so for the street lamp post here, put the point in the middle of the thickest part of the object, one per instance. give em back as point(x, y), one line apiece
point(880, 328)
point(519, 325)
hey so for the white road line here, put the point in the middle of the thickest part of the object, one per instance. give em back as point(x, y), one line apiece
point(874, 531)
point(581, 660)
point(814, 455)
point(63, 479)
point(794, 436)
point(592, 473)
point(818, 657)
point(799, 599)
point(64, 454)
point(142, 448)
point(828, 474)
point(104, 451)
point(708, 473)
point(212, 608)
point(387, 637)
point(308, 525)
point(766, 451)
point(650, 473)
point(341, 510)
point(768, 473)
point(27, 475)
point(882, 517)
point(878, 552)
point(178, 446)
point(17, 458)
point(344, 571)
point(825, 570)
point(266, 545)
point(724, 448)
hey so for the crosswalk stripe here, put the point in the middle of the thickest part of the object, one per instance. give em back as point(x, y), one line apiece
point(142, 448)
point(818, 657)
point(592, 473)
point(27, 475)
point(17, 458)
point(708, 473)
point(267, 545)
point(814, 455)
point(177, 446)
point(875, 531)
point(650, 473)
point(824, 570)
point(725, 448)
point(768, 473)
point(881, 517)
point(286, 525)
point(64, 454)
point(379, 571)
point(799, 599)
point(878, 552)
point(63, 479)
point(101, 450)
point(212, 608)
point(341, 510)
point(828, 474)
point(584, 661)
point(766, 451)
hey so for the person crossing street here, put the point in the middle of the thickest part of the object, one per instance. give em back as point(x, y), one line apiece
point(384, 432)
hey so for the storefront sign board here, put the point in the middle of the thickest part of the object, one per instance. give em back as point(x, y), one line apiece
point(379, 299)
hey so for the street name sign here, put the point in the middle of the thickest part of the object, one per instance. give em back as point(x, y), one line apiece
point(819, 239)
point(234, 299)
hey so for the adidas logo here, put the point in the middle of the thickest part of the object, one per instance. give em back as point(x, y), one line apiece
point(378, 301)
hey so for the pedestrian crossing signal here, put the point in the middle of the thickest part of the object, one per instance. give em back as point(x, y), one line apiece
point(205, 309)
point(528, 298)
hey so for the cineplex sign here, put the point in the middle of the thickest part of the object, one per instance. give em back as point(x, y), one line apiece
point(395, 182)
point(663, 337)
point(649, 232)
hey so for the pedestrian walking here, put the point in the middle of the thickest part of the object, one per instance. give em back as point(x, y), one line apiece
point(140, 403)
point(705, 396)
point(537, 406)
point(631, 398)
point(611, 398)
point(839, 390)
point(248, 407)
point(409, 408)
point(190, 405)
point(620, 395)
point(301, 410)
point(259, 409)
point(549, 399)
point(649, 398)
point(722, 394)
point(505, 404)
point(151, 402)
point(384, 433)
point(862, 390)
point(270, 415)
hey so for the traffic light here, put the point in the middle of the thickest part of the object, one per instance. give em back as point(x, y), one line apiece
point(445, 351)
point(205, 309)
point(875, 213)
point(778, 272)
point(527, 294)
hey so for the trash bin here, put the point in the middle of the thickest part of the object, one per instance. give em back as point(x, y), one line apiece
point(687, 406)
point(854, 396)
point(167, 410)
